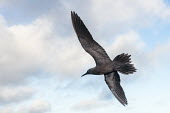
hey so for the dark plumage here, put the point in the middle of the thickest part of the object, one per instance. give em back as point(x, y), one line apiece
point(104, 65)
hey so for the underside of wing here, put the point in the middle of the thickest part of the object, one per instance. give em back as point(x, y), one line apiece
point(113, 82)
point(88, 43)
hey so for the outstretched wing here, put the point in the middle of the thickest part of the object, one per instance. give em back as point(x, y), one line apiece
point(88, 43)
point(113, 82)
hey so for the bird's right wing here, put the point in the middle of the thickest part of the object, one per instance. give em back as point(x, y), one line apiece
point(88, 43)
point(113, 82)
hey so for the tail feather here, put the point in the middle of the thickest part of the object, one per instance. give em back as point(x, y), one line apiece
point(123, 58)
point(123, 64)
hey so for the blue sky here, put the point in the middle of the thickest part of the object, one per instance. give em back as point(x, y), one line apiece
point(41, 59)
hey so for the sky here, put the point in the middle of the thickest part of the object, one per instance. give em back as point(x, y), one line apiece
point(41, 59)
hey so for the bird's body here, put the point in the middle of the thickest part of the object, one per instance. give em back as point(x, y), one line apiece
point(103, 69)
point(104, 65)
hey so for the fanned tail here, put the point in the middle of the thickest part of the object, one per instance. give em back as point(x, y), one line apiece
point(123, 64)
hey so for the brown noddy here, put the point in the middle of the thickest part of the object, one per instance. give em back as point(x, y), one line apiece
point(104, 65)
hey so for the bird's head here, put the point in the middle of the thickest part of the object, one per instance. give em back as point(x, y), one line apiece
point(90, 71)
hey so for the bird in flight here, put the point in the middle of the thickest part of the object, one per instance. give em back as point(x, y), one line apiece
point(104, 65)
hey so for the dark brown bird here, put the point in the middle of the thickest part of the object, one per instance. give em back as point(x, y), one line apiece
point(104, 65)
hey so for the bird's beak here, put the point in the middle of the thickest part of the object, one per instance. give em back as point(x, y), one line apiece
point(84, 74)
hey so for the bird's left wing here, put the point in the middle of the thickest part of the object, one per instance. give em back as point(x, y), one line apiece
point(88, 43)
point(113, 82)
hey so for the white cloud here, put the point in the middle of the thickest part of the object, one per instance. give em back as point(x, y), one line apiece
point(26, 49)
point(160, 55)
point(130, 42)
point(7, 110)
point(15, 94)
point(20, 51)
point(130, 11)
point(37, 106)
point(120, 15)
